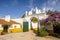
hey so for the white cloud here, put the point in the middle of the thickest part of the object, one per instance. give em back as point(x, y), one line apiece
point(49, 8)
point(50, 5)
point(54, 2)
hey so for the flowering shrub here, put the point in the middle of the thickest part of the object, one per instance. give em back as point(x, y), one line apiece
point(42, 32)
point(53, 19)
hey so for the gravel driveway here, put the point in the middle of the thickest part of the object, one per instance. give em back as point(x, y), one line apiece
point(24, 36)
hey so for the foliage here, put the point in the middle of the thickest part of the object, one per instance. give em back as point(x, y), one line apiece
point(34, 19)
point(54, 17)
point(49, 12)
point(42, 22)
point(49, 23)
point(23, 16)
point(43, 32)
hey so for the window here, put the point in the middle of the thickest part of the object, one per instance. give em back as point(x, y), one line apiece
point(14, 26)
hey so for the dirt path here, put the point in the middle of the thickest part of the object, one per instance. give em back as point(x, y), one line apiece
point(24, 36)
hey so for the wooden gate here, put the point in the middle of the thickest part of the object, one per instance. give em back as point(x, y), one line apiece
point(25, 26)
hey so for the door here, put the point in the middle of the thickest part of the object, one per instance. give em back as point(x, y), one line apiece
point(5, 28)
point(25, 26)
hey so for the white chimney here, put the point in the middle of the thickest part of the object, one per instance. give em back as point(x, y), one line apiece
point(26, 13)
point(30, 12)
point(38, 11)
point(7, 18)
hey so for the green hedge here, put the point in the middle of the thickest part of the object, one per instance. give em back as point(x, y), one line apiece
point(42, 32)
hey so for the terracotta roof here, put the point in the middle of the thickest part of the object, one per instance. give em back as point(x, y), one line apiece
point(2, 21)
point(13, 22)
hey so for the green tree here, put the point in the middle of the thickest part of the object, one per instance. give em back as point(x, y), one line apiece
point(48, 12)
point(34, 19)
point(23, 16)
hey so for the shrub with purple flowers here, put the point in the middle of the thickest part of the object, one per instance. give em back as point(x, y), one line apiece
point(54, 19)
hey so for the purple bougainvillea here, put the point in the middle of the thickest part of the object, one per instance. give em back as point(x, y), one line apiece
point(53, 17)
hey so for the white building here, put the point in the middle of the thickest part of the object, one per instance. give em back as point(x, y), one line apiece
point(34, 12)
point(39, 14)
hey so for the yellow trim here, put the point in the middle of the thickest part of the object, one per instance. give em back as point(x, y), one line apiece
point(15, 30)
point(35, 28)
point(29, 29)
point(1, 31)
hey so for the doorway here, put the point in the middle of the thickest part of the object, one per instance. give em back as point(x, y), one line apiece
point(5, 28)
point(25, 26)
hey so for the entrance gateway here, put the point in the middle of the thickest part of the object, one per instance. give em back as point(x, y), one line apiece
point(25, 26)
point(5, 28)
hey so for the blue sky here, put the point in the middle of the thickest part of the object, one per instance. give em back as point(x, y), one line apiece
point(16, 8)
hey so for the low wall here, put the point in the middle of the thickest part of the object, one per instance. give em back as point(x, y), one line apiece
point(15, 30)
point(34, 26)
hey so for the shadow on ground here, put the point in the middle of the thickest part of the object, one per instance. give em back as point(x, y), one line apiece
point(53, 35)
point(36, 32)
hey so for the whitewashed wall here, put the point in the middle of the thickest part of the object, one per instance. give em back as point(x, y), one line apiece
point(28, 19)
point(13, 25)
point(1, 28)
point(34, 25)
point(18, 20)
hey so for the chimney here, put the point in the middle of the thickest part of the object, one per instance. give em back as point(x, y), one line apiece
point(38, 11)
point(30, 12)
point(26, 13)
point(7, 18)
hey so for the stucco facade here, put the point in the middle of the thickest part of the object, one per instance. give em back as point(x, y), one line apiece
point(16, 25)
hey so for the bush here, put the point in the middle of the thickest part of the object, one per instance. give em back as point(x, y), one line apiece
point(42, 32)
